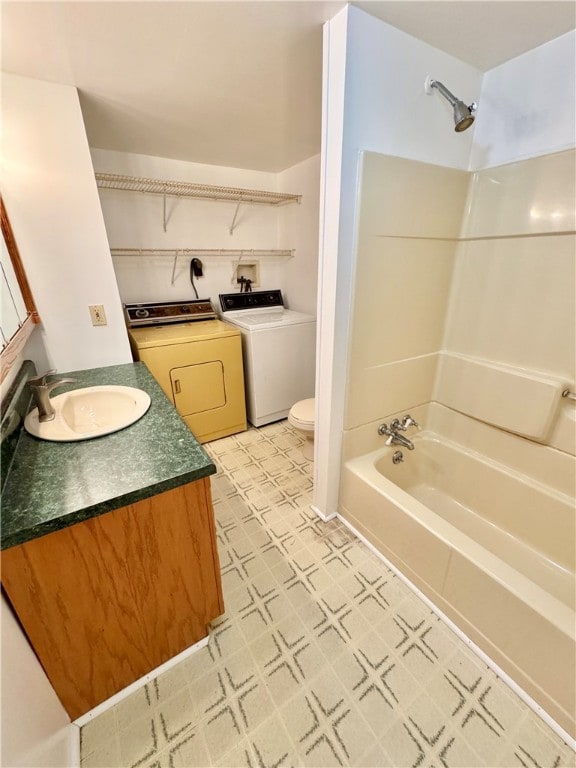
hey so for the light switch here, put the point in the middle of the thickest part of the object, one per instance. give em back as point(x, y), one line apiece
point(97, 314)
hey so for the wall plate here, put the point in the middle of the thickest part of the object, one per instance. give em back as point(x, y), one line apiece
point(249, 270)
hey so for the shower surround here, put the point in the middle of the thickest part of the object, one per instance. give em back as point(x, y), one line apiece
point(464, 316)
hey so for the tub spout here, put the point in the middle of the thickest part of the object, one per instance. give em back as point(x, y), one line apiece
point(396, 439)
point(393, 437)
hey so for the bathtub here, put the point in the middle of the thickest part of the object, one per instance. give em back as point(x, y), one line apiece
point(491, 547)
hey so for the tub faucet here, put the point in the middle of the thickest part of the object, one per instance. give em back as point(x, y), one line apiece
point(393, 437)
point(403, 425)
point(41, 390)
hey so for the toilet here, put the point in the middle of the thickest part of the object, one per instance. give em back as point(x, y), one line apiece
point(301, 417)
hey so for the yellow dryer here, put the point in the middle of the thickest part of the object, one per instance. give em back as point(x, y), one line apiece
point(199, 367)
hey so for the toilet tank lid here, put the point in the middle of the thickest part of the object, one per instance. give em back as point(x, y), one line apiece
point(304, 410)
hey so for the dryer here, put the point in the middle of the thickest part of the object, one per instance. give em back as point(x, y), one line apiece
point(279, 351)
point(197, 362)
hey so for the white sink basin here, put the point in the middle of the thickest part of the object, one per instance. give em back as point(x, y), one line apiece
point(89, 412)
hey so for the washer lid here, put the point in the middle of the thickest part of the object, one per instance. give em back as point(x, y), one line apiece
point(260, 320)
point(304, 411)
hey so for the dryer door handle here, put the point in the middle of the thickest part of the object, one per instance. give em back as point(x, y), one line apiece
point(177, 386)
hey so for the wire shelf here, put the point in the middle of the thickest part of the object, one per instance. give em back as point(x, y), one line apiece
point(231, 253)
point(191, 190)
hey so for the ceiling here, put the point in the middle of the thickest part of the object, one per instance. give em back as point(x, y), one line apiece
point(234, 83)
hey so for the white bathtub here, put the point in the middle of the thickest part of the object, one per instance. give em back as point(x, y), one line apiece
point(491, 547)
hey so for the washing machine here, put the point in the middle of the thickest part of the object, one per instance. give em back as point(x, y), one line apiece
point(279, 351)
point(197, 360)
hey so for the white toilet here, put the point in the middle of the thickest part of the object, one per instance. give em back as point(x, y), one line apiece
point(301, 417)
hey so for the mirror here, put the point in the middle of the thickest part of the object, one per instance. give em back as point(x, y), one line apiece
point(19, 315)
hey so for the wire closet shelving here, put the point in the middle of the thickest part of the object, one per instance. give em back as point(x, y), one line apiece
point(231, 253)
point(192, 190)
point(234, 253)
point(184, 189)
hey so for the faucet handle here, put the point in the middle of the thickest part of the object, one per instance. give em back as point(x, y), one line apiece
point(408, 421)
point(396, 425)
point(41, 380)
point(383, 429)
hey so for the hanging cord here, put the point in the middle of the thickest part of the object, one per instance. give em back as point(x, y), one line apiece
point(195, 270)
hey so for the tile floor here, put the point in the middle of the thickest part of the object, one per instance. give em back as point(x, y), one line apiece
point(323, 658)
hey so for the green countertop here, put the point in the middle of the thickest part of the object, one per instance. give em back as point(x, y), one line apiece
point(53, 485)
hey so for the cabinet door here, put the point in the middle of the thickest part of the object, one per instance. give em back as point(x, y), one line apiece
point(198, 388)
point(106, 601)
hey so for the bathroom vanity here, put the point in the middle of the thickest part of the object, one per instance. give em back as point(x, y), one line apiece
point(109, 549)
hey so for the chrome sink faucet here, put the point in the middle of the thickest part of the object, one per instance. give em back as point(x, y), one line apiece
point(392, 432)
point(41, 390)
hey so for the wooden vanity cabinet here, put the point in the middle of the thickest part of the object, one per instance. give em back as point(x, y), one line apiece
point(105, 601)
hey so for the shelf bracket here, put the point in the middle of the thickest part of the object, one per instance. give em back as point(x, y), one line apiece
point(174, 264)
point(233, 225)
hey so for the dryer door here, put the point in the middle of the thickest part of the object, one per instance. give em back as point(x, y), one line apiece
point(198, 388)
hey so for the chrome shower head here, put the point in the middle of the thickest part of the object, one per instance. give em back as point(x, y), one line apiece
point(463, 115)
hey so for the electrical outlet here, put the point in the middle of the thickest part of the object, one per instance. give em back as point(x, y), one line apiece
point(97, 314)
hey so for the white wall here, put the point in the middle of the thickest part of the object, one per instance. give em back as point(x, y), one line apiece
point(135, 220)
point(50, 194)
point(36, 731)
point(51, 197)
point(298, 229)
point(526, 107)
point(374, 89)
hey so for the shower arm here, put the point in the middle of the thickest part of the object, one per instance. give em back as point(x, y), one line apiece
point(448, 95)
point(444, 91)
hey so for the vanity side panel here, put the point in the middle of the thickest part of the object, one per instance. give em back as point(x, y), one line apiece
point(108, 600)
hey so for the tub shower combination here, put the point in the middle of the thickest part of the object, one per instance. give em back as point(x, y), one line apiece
point(475, 507)
point(467, 530)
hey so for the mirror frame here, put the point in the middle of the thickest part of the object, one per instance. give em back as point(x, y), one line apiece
point(19, 339)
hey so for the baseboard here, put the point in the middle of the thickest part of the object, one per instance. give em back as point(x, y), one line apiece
point(125, 692)
point(74, 745)
point(323, 517)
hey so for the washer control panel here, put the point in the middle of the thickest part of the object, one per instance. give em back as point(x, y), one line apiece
point(251, 300)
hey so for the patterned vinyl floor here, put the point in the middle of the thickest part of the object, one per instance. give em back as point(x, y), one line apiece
point(323, 658)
